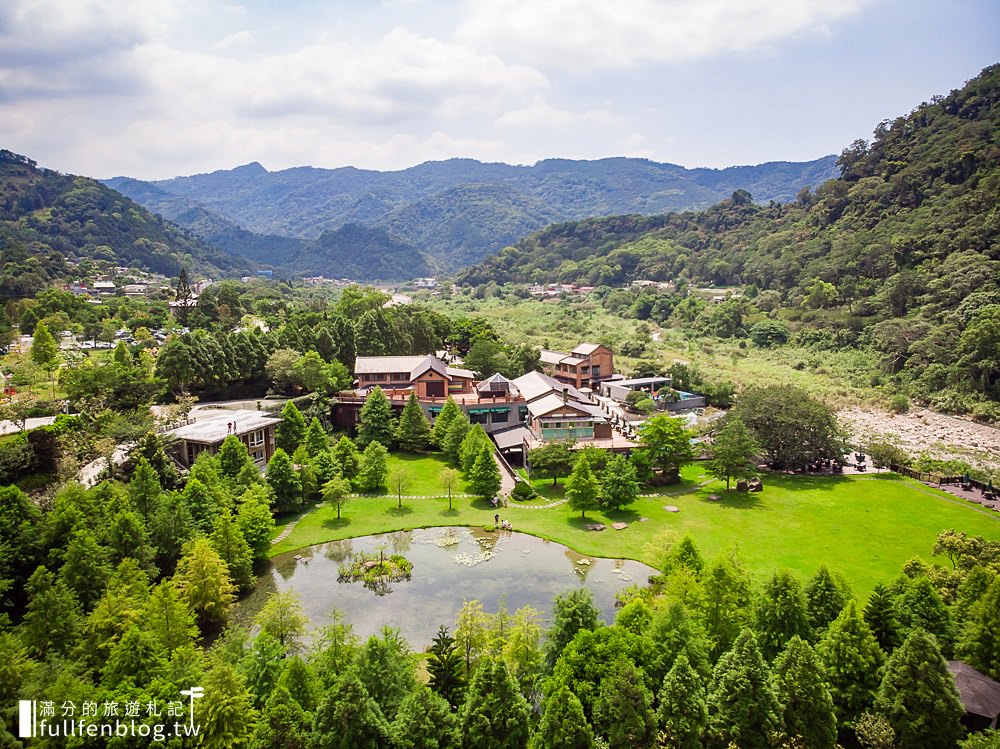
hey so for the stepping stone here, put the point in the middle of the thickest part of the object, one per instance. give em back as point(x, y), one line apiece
point(714, 498)
point(594, 526)
point(643, 520)
point(671, 508)
point(619, 526)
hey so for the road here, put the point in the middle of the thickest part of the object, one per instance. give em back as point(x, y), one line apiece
point(10, 427)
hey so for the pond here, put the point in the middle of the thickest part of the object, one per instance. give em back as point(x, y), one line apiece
point(450, 565)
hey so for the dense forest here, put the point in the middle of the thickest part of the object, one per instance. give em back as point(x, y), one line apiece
point(900, 254)
point(48, 218)
point(454, 211)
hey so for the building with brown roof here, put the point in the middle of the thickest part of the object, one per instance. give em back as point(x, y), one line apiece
point(980, 696)
point(584, 367)
point(427, 375)
point(255, 429)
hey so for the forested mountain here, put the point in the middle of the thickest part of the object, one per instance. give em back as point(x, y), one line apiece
point(902, 251)
point(47, 218)
point(454, 211)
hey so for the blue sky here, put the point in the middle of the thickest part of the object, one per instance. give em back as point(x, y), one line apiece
point(159, 88)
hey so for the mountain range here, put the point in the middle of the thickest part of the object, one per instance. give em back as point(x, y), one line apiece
point(436, 217)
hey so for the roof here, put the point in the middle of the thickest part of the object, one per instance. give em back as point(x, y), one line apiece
point(551, 357)
point(496, 383)
point(642, 381)
point(536, 384)
point(414, 366)
point(572, 360)
point(553, 402)
point(211, 427)
point(979, 693)
point(509, 438)
point(459, 372)
point(429, 362)
point(586, 349)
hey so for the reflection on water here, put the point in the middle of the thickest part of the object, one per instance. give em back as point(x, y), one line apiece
point(450, 565)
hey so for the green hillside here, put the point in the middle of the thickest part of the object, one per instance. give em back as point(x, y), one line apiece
point(459, 210)
point(48, 218)
point(901, 254)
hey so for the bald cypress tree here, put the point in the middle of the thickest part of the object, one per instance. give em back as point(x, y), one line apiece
point(851, 659)
point(880, 615)
point(563, 724)
point(781, 613)
point(825, 599)
point(918, 695)
point(495, 714)
point(683, 713)
point(742, 706)
point(980, 642)
point(806, 705)
point(623, 710)
point(413, 433)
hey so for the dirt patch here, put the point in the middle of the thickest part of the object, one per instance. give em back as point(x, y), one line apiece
point(919, 430)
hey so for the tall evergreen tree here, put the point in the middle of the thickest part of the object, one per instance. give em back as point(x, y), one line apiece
point(376, 422)
point(374, 472)
point(387, 670)
point(201, 505)
point(52, 622)
point(283, 723)
point(85, 568)
point(425, 721)
point(167, 618)
point(233, 550)
point(291, 432)
point(726, 607)
point(443, 421)
point(918, 695)
point(202, 579)
point(233, 457)
point(495, 714)
point(683, 712)
point(623, 711)
point(44, 349)
point(781, 613)
point(825, 599)
point(284, 482)
point(316, 440)
point(413, 433)
point(457, 433)
point(444, 664)
point(255, 521)
point(803, 697)
point(471, 447)
point(851, 659)
point(144, 490)
point(742, 706)
point(563, 724)
point(484, 478)
point(880, 615)
point(582, 488)
point(225, 714)
point(674, 634)
point(348, 718)
point(980, 641)
point(171, 528)
point(348, 457)
point(920, 607)
point(571, 612)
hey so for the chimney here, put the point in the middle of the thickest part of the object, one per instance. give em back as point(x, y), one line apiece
point(565, 396)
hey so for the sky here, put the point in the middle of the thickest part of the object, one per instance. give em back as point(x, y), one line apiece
point(159, 88)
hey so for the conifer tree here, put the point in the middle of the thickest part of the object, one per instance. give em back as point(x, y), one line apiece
point(683, 712)
point(571, 612)
point(673, 633)
point(316, 440)
point(582, 488)
point(171, 528)
point(726, 606)
point(444, 664)
point(284, 482)
point(623, 710)
point(168, 619)
point(290, 433)
point(495, 714)
point(563, 724)
point(201, 505)
point(255, 521)
point(233, 550)
point(851, 659)
point(202, 579)
point(781, 613)
point(44, 350)
point(376, 422)
point(880, 615)
point(324, 466)
point(413, 433)
point(472, 444)
point(144, 490)
point(302, 683)
point(52, 622)
point(425, 721)
point(457, 433)
point(135, 657)
point(283, 723)
point(980, 641)
point(918, 695)
point(449, 412)
point(387, 670)
point(233, 458)
point(803, 697)
point(347, 456)
point(734, 452)
point(85, 568)
point(374, 472)
point(742, 706)
point(348, 718)
point(920, 607)
point(825, 599)
point(225, 714)
point(484, 477)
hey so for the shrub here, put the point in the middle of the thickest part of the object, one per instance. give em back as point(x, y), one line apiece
point(522, 491)
point(986, 412)
point(899, 404)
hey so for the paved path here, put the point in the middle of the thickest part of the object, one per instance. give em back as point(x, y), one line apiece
point(10, 427)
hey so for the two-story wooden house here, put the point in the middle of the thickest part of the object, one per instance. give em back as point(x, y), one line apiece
point(584, 367)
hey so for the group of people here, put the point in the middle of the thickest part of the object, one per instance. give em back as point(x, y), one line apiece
point(502, 524)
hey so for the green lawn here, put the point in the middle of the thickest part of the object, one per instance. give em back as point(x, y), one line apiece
point(865, 527)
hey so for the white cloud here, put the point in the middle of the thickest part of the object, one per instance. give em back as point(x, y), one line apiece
point(589, 34)
point(540, 114)
point(236, 39)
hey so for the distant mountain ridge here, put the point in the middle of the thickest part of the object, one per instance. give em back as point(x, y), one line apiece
point(450, 213)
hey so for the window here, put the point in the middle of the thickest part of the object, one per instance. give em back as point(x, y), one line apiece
point(258, 457)
point(596, 370)
point(501, 417)
point(479, 418)
point(256, 439)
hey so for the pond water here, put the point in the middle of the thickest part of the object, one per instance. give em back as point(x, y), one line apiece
point(450, 565)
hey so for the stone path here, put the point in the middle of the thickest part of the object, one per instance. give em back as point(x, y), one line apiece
point(538, 507)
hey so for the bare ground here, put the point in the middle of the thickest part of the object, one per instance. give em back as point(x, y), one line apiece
point(919, 430)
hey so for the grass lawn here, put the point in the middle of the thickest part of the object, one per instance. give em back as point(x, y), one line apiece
point(865, 527)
